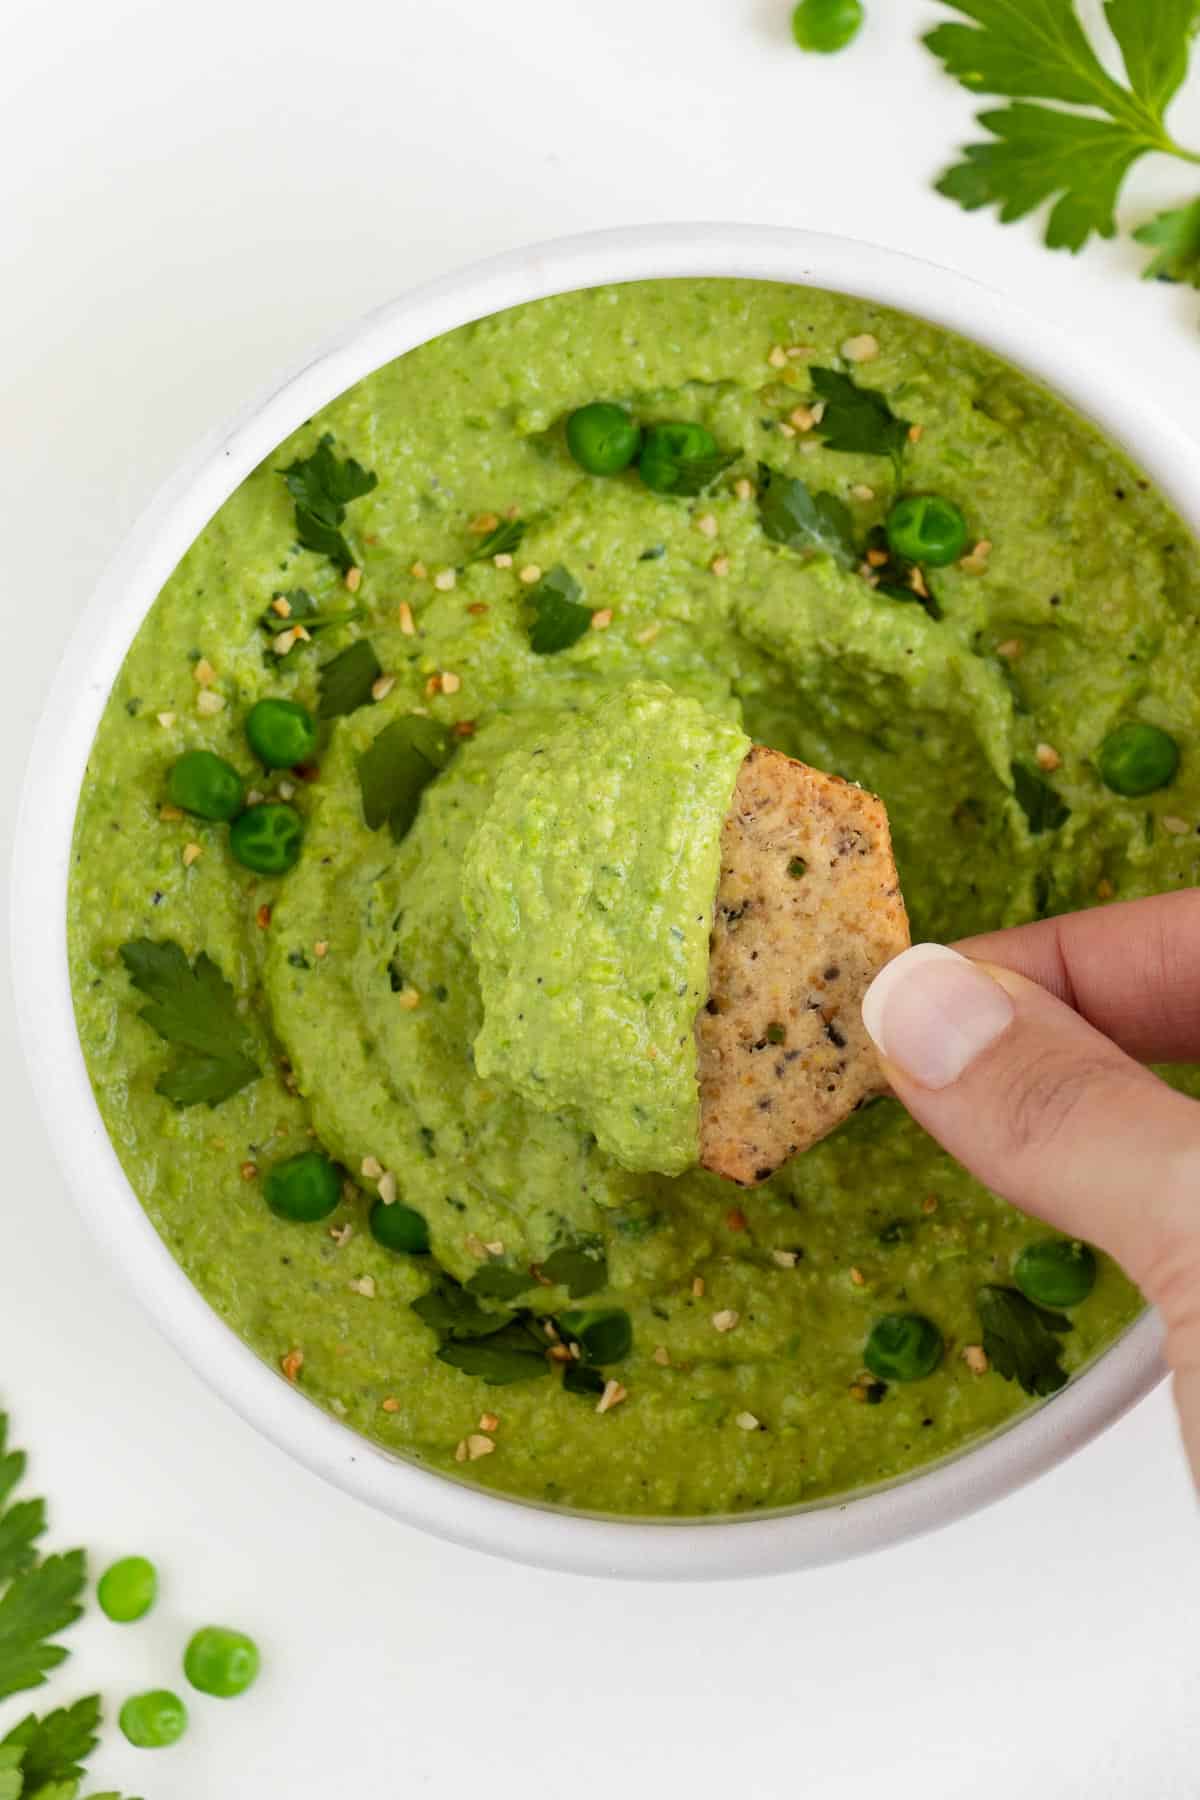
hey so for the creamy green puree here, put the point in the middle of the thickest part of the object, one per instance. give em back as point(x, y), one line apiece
point(588, 893)
point(465, 1009)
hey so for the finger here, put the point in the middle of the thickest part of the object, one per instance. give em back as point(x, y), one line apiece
point(1041, 1107)
point(1133, 970)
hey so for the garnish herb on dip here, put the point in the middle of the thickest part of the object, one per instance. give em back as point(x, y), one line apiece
point(516, 603)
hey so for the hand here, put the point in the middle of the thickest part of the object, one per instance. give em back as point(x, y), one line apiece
point(1020, 1052)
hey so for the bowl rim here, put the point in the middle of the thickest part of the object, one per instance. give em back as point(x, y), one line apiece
point(468, 1515)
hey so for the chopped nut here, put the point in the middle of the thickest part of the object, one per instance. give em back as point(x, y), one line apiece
point(746, 1421)
point(495, 1248)
point(976, 562)
point(382, 687)
point(802, 417)
point(612, 1396)
point(287, 790)
point(707, 525)
point(170, 815)
point(387, 1187)
point(460, 1452)
point(860, 491)
point(450, 682)
point(861, 349)
point(283, 641)
point(365, 1285)
point(735, 1219)
point(475, 1246)
point(777, 356)
point(858, 1278)
point(744, 488)
point(915, 433)
point(602, 619)
point(502, 559)
point(203, 672)
point(208, 702)
point(1047, 757)
point(191, 853)
point(698, 1287)
point(390, 1405)
point(166, 720)
point(975, 1357)
point(720, 565)
point(796, 352)
point(529, 574)
point(353, 579)
point(917, 582)
point(726, 1319)
point(482, 523)
point(478, 1445)
point(877, 559)
point(292, 1363)
point(281, 606)
point(444, 580)
point(662, 1356)
point(785, 430)
point(372, 1168)
point(1010, 649)
point(341, 1234)
point(488, 1422)
point(784, 1259)
point(419, 572)
point(404, 613)
point(249, 1171)
point(1176, 827)
point(559, 1353)
point(409, 998)
point(321, 949)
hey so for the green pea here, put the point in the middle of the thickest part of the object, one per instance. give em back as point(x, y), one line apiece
point(154, 1720)
point(305, 1188)
point(670, 451)
point(903, 1347)
point(1137, 759)
point(398, 1227)
point(602, 437)
point(924, 528)
point(281, 733)
point(827, 25)
point(128, 1589)
point(1056, 1272)
point(221, 1662)
point(203, 783)
point(267, 838)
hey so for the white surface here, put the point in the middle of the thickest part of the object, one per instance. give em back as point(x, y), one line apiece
point(191, 197)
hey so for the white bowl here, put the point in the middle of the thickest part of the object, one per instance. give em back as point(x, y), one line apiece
point(594, 1545)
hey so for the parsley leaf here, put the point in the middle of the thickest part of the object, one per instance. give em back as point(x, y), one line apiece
point(195, 1009)
point(582, 1267)
point(396, 769)
point(499, 1281)
point(34, 1607)
point(858, 419)
point(559, 621)
point(500, 542)
point(580, 1378)
point(511, 1354)
point(604, 1337)
point(1035, 51)
point(1176, 238)
point(448, 1309)
point(346, 680)
point(22, 1522)
point(305, 611)
point(322, 487)
point(899, 579)
point(1043, 806)
point(56, 1746)
point(793, 516)
point(1020, 1339)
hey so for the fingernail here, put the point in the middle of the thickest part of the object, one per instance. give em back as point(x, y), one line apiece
point(931, 1013)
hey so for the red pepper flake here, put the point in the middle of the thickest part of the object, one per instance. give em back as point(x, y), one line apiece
point(465, 728)
point(306, 771)
point(291, 1364)
point(736, 1219)
point(262, 917)
point(249, 1171)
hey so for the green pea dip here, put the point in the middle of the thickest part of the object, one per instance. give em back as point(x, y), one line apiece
point(460, 1012)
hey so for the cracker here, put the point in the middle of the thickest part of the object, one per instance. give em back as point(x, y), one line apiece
point(784, 1056)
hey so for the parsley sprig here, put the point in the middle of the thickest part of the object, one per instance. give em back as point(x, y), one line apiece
point(39, 1597)
point(322, 486)
point(1071, 131)
point(1021, 1339)
point(194, 1008)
